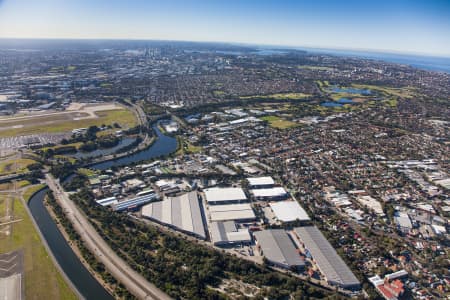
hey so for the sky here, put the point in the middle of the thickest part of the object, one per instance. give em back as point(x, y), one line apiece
point(406, 26)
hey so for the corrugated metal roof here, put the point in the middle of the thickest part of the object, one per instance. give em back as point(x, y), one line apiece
point(135, 202)
point(232, 215)
point(278, 247)
point(270, 192)
point(260, 181)
point(228, 212)
point(288, 211)
point(224, 194)
point(182, 212)
point(226, 232)
point(329, 262)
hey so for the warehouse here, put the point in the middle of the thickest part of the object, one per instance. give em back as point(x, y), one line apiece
point(289, 211)
point(226, 233)
point(134, 203)
point(332, 266)
point(278, 249)
point(260, 182)
point(229, 195)
point(107, 201)
point(238, 212)
point(403, 222)
point(182, 213)
point(276, 193)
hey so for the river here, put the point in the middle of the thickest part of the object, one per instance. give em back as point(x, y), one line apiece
point(163, 146)
point(86, 284)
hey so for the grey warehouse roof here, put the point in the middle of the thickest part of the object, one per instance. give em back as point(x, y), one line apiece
point(329, 262)
point(226, 232)
point(278, 247)
point(182, 212)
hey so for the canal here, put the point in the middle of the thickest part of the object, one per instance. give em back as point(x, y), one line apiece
point(86, 284)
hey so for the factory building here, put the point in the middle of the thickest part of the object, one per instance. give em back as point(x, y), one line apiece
point(107, 201)
point(260, 182)
point(226, 233)
point(289, 211)
point(133, 204)
point(229, 195)
point(275, 193)
point(237, 212)
point(278, 248)
point(182, 213)
point(331, 265)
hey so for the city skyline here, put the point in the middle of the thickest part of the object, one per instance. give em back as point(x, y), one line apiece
point(418, 26)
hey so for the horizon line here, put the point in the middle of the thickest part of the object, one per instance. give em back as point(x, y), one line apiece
point(237, 43)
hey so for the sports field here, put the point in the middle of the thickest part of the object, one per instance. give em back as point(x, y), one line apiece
point(277, 122)
point(76, 116)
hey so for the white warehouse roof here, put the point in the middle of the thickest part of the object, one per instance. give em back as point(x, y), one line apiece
point(269, 193)
point(231, 194)
point(260, 181)
point(288, 211)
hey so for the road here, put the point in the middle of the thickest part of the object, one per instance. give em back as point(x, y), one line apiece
point(135, 283)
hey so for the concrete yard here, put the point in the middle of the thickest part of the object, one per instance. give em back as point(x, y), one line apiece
point(11, 287)
point(11, 273)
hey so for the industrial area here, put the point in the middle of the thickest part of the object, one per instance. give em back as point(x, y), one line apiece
point(240, 218)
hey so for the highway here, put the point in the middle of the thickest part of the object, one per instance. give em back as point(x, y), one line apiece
point(135, 283)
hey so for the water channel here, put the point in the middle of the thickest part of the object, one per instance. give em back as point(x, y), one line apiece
point(86, 284)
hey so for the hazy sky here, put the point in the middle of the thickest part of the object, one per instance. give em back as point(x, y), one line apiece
point(421, 26)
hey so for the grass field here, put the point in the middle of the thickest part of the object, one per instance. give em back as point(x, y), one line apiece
point(404, 92)
point(3, 199)
point(321, 84)
point(186, 147)
point(218, 93)
point(42, 279)
point(280, 96)
point(277, 122)
point(337, 96)
point(65, 122)
point(86, 172)
point(76, 145)
point(391, 102)
point(18, 165)
point(10, 186)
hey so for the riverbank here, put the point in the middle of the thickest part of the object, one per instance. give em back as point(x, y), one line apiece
point(69, 262)
point(75, 247)
point(133, 281)
point(144, 145)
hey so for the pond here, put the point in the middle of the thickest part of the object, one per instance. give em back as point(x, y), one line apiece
point(352, 91)
point(331, 104)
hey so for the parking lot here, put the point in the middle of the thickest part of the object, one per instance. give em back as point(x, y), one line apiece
point(17, 142)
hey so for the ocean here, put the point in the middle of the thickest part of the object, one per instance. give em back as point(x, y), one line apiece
point(430, 63)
